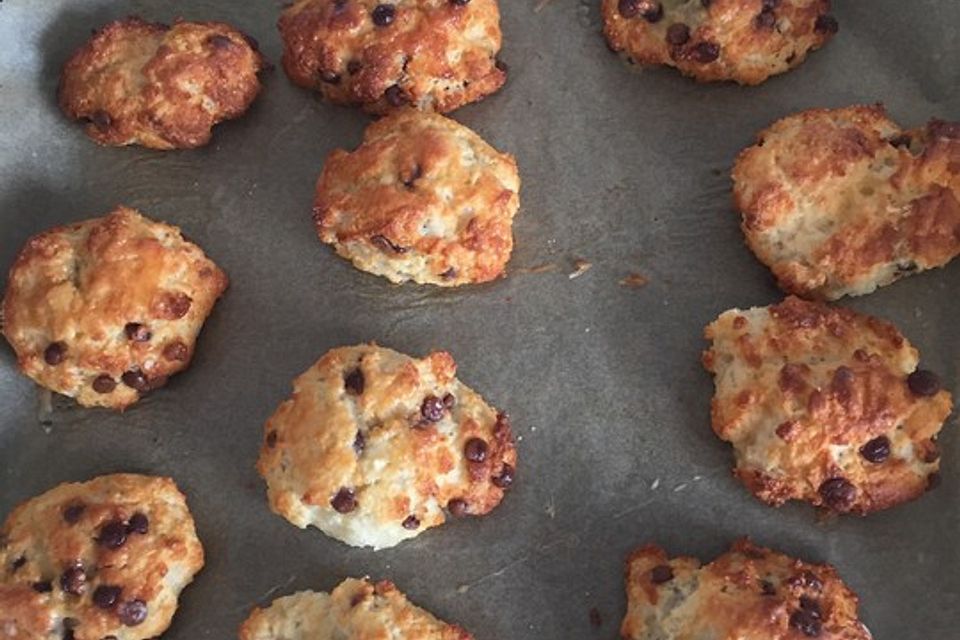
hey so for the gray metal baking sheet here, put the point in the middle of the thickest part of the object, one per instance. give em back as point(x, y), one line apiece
point(629, 171)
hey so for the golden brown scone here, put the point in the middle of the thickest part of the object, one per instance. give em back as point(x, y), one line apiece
point(842, 201)
point(138, 82)
point(433, 55)
point(423, 199)
point(94, 560)
point(748, 593)
point(355, 610)
point(374, 445)
point(824, 404)
point(106, 309)
point(746, 41)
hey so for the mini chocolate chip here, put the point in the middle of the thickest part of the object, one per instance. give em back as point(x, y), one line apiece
point(806, 623)
point(137, 332)
point(176, 305)
point(101, 119)
point(432, 409)
point(809, 604)
point(838, 493)
point(353, 382)
point(271, 439)
point(385, 244)
point(706, 52)
point(43, 586)
point(113, 535)
point(826, 24)
point(596, 620)
point(449, 401)
point(54, 353)
point(104, 384)
point(767, 588)
point(505, 479)
point(661, 573)
point(359, 443)
point(765, 19)
point(176, 351)
point(220, 41)
point(678, 34)
point(396, 96)
point(105, 596)
point(475, 450)
point(354, 66)
point(383, 14)
point(460, 3)
point(132, 612)
point(415, 174)
point(924, 383)
point(876, 450)
point(72, 512)
point(649, 10)
point(135, 379)
point(138, 523)
point(74, 580)
point(345, 501)
point(411, 522)
point(19, 562)
point(330, 77)
point(457, 507)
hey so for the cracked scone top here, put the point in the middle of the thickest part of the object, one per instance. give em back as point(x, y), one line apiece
point(841, 201)
point(374, 446)
point(747, 593)
point(432, 55)
point(106, 309)
point(94, 560)
point(355, 610)
point(423, 199)
point(746, 41)
point(160, 86)
point(825, 405)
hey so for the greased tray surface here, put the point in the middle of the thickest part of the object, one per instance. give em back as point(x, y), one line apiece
point(628, 171)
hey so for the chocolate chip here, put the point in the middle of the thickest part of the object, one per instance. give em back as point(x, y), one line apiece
point(457, 507)
point(432, 409)
point(767, 588)
point(330, 77)
point(383, 14)
point(101, 119)
point(629, 8)
point(354, 66)
point(19, 562)
point(930, 452)
point(449, 274)
point(104, 384)
point(706, 52)
point(385, 244)
point(661, 573)
point(359, 443)
point(900, 141)
point(924, 383)
point(72, 512)
point(132, 612)
point(139, 524)
point(175, 306)
point(345, 501)
point(220, 41)
point(113, 535)
point(74, 580)
point(135, 379)
point(411, 522)
point(596, 620)
point(505, 479)
point(649, 10)
point(876, 450)
point(271, 439)
point(414, 175)
point(475, 450)
point(353, 382)
point(396, 96)
point(678, 34)
point(449, 401)
point(838, 493)
point(54, 353)
point(809, 604)
point(806, 580)
point(806, 623)
point(137, 332)
point(44, 586)
point(460, 3)
point(105, 596)
point(826, 24)
point(766, 19)
point(176, 351)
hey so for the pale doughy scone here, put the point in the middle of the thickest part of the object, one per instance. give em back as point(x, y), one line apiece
point(842, 201)
point(374, 446)
point(95, 560)
point(355, 610)
point(423, 199)
point(825, 405)
point(745, 41)
point(748, 593)
point(433, 55)
point(138, 82)
point(106, 309)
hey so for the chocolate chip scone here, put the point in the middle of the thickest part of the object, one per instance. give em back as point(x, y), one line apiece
point(106, 309)
point(138, 82)
point(745, 41)
point(825, 405)
point(95, 560)
point(355, 610)
point(423, 199)
point(748, 593)
point(433, 55)
point(375, 446)
point(841, 201)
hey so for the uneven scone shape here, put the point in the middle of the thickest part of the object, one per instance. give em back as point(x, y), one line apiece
point(825, 405)
point(137, 82)
point(106, 309)
point(355, 610)
point(841, 201)
point(745, 41)
point(95, 560)
point(374, 445)
point(748, 593)
point(423, 199)
point(433, 55)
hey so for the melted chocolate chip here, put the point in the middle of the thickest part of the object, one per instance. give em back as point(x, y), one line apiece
point(132, 612)
point(806, 623)
point(457, 507)
point(383, 14)
point(330, 77)
point(72, 512)
point(137, 332)
point(104, 384)
point(101, 119)
point(396, 96)
point(767, 588)
point(411, 523)
point(901, 141)
point(354, 66)
point(660, 574)
point(54, 353)
point(924, 383)
point(460, 3)
point(505, 479)
point(415, 174)
point(105, 596)
point(449, 274)
point(838, 493)
point(876, 450)
point(74, 580)
point(475, 450)
point(809, 604)
point(826, 24)
point(220, 41)
point(176, 306)
point(706, 52)
point(135, 379)
point(629, 8)
point(353, 382)
point(176, 351)
point(432, 409)
point(139, 524)
point(385, 244)
point(806, 580)
point(43, 586)
point(651, 11)
point(359, 443)
point(345, 501)
point(19, 562)
point(449, 401)
point(113, 535)
point(678, 34)
point(766, 19)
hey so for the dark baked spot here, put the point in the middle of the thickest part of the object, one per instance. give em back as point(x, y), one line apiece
point(924, 383)
point(385, 244)
point(101, 119)
point(74, 580)
point(767, 588)
point(174, 305)
point(457, 507)
point(330, 77)
point(132, 612)
point(826, 24)
point(805, 622)
point(460, 3)
point(43, 586)
point(271, 439)
point(787, 430)
point(766, 19)
point(838, 493)
point(475, 450)
point(396, 96)
point(105, 596)
point(359, 443)
point(135, 379)
point(354, 66)
point(220, 41)
point(104, 384)
point(661, 573)
point(72, 512)
point(678, 34)
point(354, 382)
point(791, 379)
point(139, 524)
point(113, 535)
point(137, 332)
point(876, 450)
point(176, 352)
point(54, 353)
point(432, 409)
point(706, 52)
point(902, 140)
point(411, 523)
point(383, 14)
point(809, 604)
point(345, 501)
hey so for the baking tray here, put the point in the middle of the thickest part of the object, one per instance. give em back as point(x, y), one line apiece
point(628, 171)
